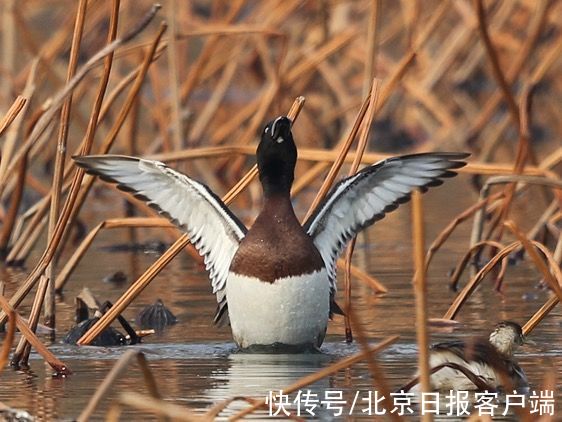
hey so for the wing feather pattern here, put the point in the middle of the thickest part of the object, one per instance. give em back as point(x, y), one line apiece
point(359, 200)
point(213, 229)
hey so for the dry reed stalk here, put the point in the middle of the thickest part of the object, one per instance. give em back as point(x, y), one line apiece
point(57, 225)
point(363, 277)
point(8, 340)
point(8, 44)
point(372, 41)
point(256, 120)
point(27, 239)
point(114, 223)
point(209, 49)
point(487, 111)
point(16, 107)
point(494, 61)
point(14, 134)
point(329, 156)
point(459, 219)
point(465, 259)
point(338, 162)
point(51, 359)
point(555, 283)
point(420, 292)
point(163, 409)
point(118, 369)
point(502, 254)
point(15, 201)
point(138, 286)
point(173, 79)
point(312, 378)
point(478, 226)
point(67, 210)
point(361, 146)
point(475, 281)
point(57, 101)
point(213, 29)
point(377, 373)
point(60, 154)
point(21, 354)
point(524, 151)
point(540, 314)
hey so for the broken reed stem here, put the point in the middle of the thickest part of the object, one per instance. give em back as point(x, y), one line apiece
point(554, 283)
point(140, 284)
point(312, 378)
point(540, 314)
point(502, 254)
point(465, 259)
point(420, 292)
point(478, 225)
point(16, 133)
point(372, 44)
point(113, 375)
point(22, 326)
point(475, 281)
point(12, 113)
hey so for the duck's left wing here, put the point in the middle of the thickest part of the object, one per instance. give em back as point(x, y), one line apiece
point(360, 200)
point(212, 228)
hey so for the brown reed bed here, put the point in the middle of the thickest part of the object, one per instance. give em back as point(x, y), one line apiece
point(469, 76)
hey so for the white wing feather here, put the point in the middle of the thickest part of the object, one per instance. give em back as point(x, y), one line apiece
point(213, 229)
point(360, 200)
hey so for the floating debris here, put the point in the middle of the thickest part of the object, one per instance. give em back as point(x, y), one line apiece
point(108, 337)
point(86, 302)
point(156, 316)
point(116, 277)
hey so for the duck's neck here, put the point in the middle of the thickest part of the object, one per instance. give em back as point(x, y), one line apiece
point(503, 344)
point(278, 206)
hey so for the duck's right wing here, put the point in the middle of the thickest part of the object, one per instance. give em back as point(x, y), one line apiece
point(212, 228)
point(358, 201)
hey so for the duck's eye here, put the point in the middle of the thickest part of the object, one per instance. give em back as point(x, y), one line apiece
point(280, 139)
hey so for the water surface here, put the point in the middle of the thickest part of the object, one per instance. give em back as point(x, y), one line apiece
point(196, 364)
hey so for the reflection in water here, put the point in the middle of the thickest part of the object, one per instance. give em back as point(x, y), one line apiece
point(256, 375)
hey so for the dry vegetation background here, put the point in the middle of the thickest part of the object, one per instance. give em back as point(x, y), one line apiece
point(100, 76)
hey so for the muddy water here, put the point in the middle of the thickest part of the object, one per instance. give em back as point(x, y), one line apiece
point(196, 364)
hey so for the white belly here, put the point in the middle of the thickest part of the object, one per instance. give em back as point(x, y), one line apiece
point(451, 379)
point(289, 311)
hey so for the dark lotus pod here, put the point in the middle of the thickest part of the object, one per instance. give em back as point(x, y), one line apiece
point(155, 316)
point(108, 337)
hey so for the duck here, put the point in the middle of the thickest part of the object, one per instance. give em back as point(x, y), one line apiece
point(275, 283)
point(490, 360)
